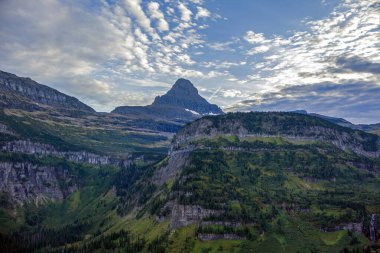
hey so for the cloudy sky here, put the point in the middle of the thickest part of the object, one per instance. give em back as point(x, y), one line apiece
point(318, 55)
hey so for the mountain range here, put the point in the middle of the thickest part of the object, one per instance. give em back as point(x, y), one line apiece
point(374, 128)
point(141, 180)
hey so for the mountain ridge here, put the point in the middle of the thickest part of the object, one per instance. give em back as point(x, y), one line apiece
point(343, 122)
point(27, 94)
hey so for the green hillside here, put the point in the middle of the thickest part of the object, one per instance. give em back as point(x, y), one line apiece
point(232, 183)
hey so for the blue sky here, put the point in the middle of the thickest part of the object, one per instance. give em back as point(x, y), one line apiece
point(319, 55)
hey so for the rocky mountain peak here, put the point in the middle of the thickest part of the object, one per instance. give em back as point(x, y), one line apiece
point(183, 87)
point(182, 102)
point(184, 95)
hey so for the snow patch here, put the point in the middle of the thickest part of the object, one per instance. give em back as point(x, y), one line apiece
point(211, 113)
point(193, 112)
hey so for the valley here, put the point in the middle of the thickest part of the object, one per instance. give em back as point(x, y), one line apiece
point(162, 178)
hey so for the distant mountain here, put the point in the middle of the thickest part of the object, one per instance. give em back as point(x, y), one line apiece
point(372, 128)
point(181, 102)
point(24, 93)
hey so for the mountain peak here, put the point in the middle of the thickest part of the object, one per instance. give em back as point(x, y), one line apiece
point(184, 95)
point(182, 101)
point(183, 87)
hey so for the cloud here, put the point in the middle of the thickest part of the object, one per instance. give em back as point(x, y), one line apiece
point(222, 46)
point(252, 37)
point(120, 48)
point(155, 13)
point(97, 54)
point(185, 12)
point(340, 48)
point(202, 13)
point(258, 50)
point(135, 9)
point(357, 64)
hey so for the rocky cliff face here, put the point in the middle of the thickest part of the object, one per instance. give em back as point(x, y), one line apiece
point(183, 94)
point(24, 93)
point(286, 125)
point(184, 215)
point(373, 229)
point(41, 149)
point(4, 130)
point(181, 102)
point(24, 181)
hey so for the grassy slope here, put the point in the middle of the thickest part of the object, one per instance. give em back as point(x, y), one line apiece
point(332, 190)
point(68, 134)
point(258, 181)
point(286, 231)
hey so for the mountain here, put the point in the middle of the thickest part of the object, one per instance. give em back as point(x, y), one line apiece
point(24, 93)
point(372, 128)
point(181, 102)
point(237, 182)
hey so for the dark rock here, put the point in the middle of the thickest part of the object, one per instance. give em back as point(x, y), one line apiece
point(184, 215)
point(24, 93)
point(211, 237)
point(181, 102)
point(24, 182)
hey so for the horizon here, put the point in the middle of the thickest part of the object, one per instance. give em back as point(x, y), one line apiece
point(320, 56)
point(290, 111)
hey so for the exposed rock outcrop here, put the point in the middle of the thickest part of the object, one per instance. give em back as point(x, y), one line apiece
point(4, 129)
point(41, 149)
point(182, 102)
point(172, 168)
point(24, 93)
point(290, 126)
point(31, 182)
point(373, 229)
point(184, 215)
point(351, 226)
point(211, 237)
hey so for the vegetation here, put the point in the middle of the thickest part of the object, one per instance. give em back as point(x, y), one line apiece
point(273, 194)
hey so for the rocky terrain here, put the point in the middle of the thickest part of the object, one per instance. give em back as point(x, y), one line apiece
point(40, 149)
point(237, 182)
point(228, 169)
point(24, 182)
point(286, 125)
point(24, 93)
point(181, 102)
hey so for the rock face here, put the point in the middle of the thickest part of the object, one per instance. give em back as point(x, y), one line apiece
point(31, 182)
point(373, 229)
point(211, 237)
point(4, 130)
point(354, 227)
point(184, 215)
point(41, 149)
point(24, 93)
point(293, 126)
point(181, 102)
point(183, 94)
point(171, 169)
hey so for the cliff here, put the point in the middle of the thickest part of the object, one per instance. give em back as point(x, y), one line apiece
point(24, 93)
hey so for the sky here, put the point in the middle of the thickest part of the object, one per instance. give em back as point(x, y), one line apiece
point(322, 56)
